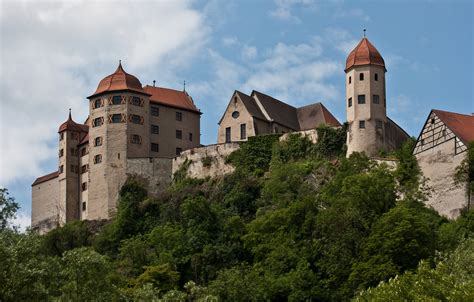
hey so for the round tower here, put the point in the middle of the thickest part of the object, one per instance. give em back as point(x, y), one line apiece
point(365, 99)
point(120, 129)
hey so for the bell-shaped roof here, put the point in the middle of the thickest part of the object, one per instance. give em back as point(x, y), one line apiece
point(364, 53)
point(119, 80)
point(71, 125)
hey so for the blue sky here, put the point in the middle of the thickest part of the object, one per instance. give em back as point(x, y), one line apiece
point(54, 54)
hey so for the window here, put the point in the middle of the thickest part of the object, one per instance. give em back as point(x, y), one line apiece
point(97, 159)
point(115, 118)
point(83, 151)
point(376, 77)
point(227, 135)
point(375, 99)
point(155, 129)
point(84, 186)
point(235, 114)
point(179, 134)
point(155, 147)
point(83, 205)
point(361, 99)
point(98, 121)
point(361, 76)
point(61, 153)
point(97, 103)
point(61, 169)
point(155, 110)
point(350, 80)
point(74, 152)
point(443, 132)
point(136, 139)
point(362, 124)
point(243, 131)
point(190, 137)
point(136, 119)
point(349, 102)
point(74, 169)
point(432, 121)
point(84, 168)
point(378, 124)
point(116, 100)
point(98, 141)
point(136, 101)
point(61, 136)
point(178, 151)
point(179, 116)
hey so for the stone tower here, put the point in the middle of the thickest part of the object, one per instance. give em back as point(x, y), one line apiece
point(119, 131)
point(365, 100)
point(70, 133)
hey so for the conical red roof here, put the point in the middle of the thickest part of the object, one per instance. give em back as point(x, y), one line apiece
point(364, 53)
point(72, 126)
point(119, 80)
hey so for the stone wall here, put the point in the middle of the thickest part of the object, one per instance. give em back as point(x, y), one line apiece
point(311, 134)
point(208, 161)
point(46, 209)
point(156, 171)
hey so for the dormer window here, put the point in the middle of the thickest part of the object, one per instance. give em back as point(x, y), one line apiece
point(361, 76)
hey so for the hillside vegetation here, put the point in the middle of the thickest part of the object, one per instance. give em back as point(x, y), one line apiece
point(296, 221)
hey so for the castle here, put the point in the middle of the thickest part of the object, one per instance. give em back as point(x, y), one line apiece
point(151, 131)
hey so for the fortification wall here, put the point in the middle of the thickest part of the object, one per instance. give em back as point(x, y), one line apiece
point(208, 161)
point(311, 134)
point(156, 171)
point(46, 211)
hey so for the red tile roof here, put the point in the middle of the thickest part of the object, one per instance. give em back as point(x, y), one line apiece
point(364, 54)
point(45, 178)
point(462, 125)
point(171, 97)
point(119, 80)
point(72, 126)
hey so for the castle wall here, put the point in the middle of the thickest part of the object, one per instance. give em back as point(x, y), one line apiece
point(155, 171)
point(311, 134)
point(46, 209)
point(438, 164)
point(206, 161)
point(84, 179)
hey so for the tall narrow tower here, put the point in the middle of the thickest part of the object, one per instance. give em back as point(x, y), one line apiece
point(365, 99)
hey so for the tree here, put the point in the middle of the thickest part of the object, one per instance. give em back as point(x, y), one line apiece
point(8, 208)
point(464, 174)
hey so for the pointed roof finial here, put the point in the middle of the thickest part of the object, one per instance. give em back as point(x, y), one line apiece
point(184, 86)
point(364, 32)
point(120, 61)
point(154, 83)
point(70, 117)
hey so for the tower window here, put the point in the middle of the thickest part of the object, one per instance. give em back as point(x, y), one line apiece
point(136, 119)
point(378, 124)
point(349, 102)
point(84, 168)
point(350, 80)
point(179, 116)
point(84, 186)
point(361, 99)
point(227, 134)
point(179, 134)
point(136, 101)
point(98, 103)
point(98, 121)
point(361, 76)
point(61, 136)
point(190, 137)
point(432, 120)
point(97, 159)
point(84, 205)
point(155, 147)
point(61, 169)
point(61, 152)
point(116, 100)
point(362, 124)
point(155, 110)
point(98, 141)
point(136, 139)
point(243, 131)
point(83, 151)
point(376, 77)
point(115, 118)
point(178, 151)
point(375, 99)
point(74, 152)
point(155, 129)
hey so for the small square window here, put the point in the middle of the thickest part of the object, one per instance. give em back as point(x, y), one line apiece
point(362, 124)
point(136, 101)
point(179, 116)
point(349, 102)
point(136, 119)
point(98, 103)
point(98, 122)
point(155, 110)
point(361, 99)
point(179, 134)
point(155, 147)
point(116, 118)
point(98, 141)
point(155, 129)
point(116, 100)
point(97, 159)
point(178, 151)
point(136, 139)
point(375, 99)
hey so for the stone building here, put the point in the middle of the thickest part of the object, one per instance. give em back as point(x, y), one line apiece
point(439, 149)
point(262, 114)
point(370, 130)
point(131, 130)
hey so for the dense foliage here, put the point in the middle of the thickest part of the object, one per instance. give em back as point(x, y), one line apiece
point(296, 221)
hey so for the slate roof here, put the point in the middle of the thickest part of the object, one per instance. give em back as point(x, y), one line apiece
point(251, 106)
point(462, 125)
point(278, 111)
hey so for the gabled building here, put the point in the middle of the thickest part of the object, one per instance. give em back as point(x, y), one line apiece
point(439, 149)
point(131, 130)
point(259, 114)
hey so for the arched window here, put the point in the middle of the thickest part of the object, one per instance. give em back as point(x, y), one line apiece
point(376, 77)
point(361, 76)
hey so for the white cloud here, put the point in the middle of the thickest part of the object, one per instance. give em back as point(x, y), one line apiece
point(54, 54)
point(22, 221)
point(284, 10)
point(230, 41)
point(249, 52)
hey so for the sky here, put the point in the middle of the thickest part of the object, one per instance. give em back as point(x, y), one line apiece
point(53, 54)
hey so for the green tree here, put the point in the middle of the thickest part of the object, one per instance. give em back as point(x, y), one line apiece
point(8, 208)
point(464, 174)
